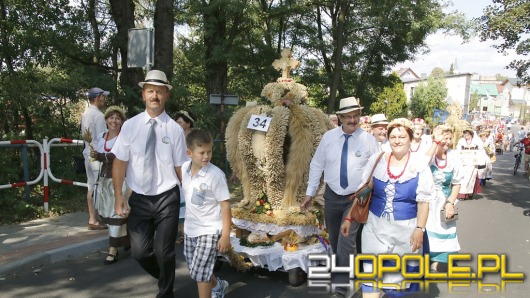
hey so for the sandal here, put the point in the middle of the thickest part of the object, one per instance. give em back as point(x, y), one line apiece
point(111, 259)
point(99, 226)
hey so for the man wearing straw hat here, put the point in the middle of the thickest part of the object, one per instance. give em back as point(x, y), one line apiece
point(379, 125)
point(341, 156)
point(150, 151)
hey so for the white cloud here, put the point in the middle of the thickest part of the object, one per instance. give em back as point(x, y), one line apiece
point(473, 56)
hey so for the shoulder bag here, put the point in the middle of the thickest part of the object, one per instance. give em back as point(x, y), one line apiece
point(363, 197)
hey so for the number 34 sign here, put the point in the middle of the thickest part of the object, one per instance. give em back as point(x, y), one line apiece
point(259, 122)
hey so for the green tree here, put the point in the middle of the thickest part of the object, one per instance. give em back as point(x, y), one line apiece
point(428, 96)
point(507, 21)
point(500, 77)
point(438, 72)
point(392, 101)
point(451, 69)
point(357, 42)
point(473, 101)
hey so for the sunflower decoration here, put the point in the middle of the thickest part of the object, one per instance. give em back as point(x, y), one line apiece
point(262, 205)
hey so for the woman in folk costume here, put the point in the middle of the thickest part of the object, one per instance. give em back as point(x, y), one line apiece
point(470, 183)
point(118, 237)
point(447, 175)
point(399, 207)
point(365, 124)
point(420, 143)
point(489, 147)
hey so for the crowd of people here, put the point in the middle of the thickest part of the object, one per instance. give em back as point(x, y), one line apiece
point(151, 165)
point(406, 216)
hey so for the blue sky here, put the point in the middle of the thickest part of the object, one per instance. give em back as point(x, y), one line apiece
point(474, 56)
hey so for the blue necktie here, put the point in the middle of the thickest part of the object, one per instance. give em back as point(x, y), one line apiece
point(150, 158)
point(344, 163)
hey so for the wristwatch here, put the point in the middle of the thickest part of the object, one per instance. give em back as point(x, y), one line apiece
point(422, 229)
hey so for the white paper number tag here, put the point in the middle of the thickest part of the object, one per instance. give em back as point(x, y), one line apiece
point(259, 122)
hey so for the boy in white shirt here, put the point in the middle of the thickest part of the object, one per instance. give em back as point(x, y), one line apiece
point(208, 215)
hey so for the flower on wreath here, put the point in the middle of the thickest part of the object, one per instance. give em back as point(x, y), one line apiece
point(319, 217)
point(262, 205)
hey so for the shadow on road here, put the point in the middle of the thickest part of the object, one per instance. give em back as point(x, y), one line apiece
point(506, 187)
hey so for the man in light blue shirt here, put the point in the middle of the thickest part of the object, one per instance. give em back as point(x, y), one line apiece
point(341, 156)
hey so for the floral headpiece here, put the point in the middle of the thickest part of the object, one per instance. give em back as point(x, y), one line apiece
point(400, 122)
point(187, 115)
point(419, 121)
point(365, 119)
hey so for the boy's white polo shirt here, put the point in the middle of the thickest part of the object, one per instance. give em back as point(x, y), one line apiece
point(202, 194)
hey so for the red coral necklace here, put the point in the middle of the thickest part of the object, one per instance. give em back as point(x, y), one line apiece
point(440, 166)
point(417, 148)
point(105, 144)
point(395, 177)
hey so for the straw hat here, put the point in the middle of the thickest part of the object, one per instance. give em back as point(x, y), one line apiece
point(157, 78)
point(379, 119)
point(348, 104)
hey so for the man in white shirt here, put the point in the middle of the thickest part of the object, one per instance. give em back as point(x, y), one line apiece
point(521, 134)
point(379, 129)
point(342, 175)
point(94, 121)
point(150, 151)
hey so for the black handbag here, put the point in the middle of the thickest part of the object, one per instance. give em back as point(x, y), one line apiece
point(79, 164)
point(79, 161)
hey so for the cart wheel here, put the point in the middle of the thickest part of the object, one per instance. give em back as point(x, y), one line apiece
point(297, 277)
point(218, 264)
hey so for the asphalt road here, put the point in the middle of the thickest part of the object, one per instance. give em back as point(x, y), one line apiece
point(496, 222)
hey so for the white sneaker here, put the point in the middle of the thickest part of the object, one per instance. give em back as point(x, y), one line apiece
point(221, 292)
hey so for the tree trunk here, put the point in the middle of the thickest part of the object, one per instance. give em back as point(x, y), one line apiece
point(164, 28)
point(123, 14)
point(28, 123)
point(339, 45)
point(215, 58)
point(5, 39)
point(95, 30)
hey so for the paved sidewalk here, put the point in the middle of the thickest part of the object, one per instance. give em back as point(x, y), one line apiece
point(42, 241)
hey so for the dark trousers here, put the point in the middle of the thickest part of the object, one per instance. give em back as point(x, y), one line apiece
point(153, 226)
point(336, 208)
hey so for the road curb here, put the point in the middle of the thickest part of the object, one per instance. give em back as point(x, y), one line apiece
point(55, 255)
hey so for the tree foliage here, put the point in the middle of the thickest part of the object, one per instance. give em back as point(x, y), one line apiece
point(473, 101)
point(428, 96)
point(392, 101)
point(507, 21)
point(54, 50)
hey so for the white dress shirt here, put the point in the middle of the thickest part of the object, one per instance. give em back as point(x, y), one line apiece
point(94, 120)
point(327, 158)
point(202, 193)
point(170, 151)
